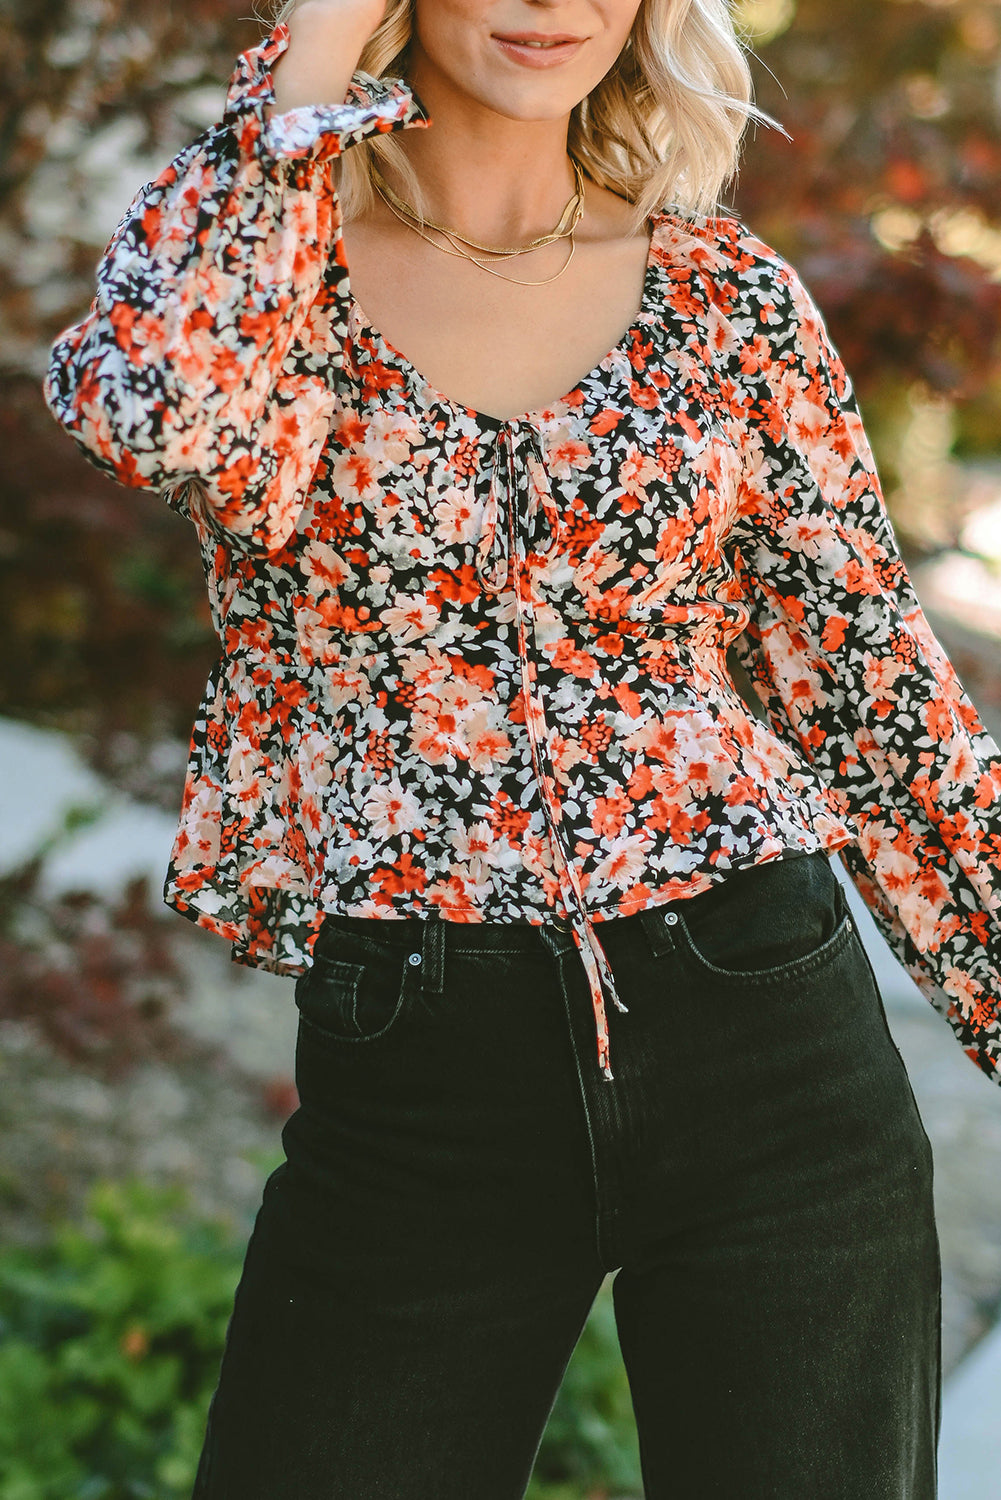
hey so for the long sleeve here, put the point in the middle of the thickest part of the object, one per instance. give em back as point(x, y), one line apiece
point(211, 347)
point(849, 671)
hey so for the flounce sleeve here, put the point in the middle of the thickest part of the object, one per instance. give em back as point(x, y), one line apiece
point(205, 366)
point(849, 671)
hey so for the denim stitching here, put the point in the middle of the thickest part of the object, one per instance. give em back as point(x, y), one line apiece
point(861, 948)
point(793, 969)
point(336, 1038)
point(433, 955)
point(599, 1237)
point(523, 952)
point(656, 931)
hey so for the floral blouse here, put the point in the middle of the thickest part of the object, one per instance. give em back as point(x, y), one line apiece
point(481, 666)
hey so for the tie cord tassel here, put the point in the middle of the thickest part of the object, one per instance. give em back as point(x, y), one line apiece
point(600, 980)
point(518, 466)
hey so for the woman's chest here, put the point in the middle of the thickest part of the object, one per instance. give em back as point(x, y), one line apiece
point(493, 345)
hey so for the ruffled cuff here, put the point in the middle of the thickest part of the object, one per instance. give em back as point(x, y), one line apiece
point(321, 131)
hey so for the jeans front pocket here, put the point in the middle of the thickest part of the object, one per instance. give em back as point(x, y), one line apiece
point(768, 924)
point(343, 1000)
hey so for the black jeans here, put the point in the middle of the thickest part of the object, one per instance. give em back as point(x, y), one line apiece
point(460, 1178)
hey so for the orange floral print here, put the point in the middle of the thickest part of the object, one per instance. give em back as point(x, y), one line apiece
point(482, 667)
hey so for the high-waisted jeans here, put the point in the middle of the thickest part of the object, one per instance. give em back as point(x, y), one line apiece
point(460, 1178)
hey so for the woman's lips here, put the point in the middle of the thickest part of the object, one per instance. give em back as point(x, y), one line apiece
point(535, 50)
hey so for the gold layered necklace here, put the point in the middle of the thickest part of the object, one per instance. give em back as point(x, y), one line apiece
point(420, 224)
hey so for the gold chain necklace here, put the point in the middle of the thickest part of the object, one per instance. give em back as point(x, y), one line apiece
point(572, 212)
point(564, 230)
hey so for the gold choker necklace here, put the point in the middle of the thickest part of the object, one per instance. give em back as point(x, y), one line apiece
point(564, 230)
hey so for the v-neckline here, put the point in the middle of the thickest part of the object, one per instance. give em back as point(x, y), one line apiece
point(360, 322)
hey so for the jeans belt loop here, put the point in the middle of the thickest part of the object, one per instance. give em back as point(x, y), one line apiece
point(433, 954)
point(656, 929)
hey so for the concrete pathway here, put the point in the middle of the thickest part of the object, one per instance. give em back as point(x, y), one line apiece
point(970, 1447)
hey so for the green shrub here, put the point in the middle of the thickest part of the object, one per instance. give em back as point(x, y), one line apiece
point(110, 1340)
point(590, 1448)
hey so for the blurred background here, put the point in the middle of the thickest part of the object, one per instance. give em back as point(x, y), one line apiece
point(144, 1079)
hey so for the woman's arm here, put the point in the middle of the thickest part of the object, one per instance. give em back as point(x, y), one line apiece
point(326, 42)
point(209, 352)
point(848, 669)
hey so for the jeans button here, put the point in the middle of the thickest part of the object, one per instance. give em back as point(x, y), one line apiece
point(671, 918)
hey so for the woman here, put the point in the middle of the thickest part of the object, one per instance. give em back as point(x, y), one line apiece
point(578, 989)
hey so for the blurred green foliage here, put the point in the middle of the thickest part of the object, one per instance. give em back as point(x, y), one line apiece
point(111, 1338)
point(110, 1342)
point(590, 1448)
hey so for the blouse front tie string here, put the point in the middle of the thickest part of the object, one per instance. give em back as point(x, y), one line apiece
point(519, 468)
point(492, 562)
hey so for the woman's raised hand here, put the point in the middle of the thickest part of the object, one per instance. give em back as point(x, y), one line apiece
point(326, 40)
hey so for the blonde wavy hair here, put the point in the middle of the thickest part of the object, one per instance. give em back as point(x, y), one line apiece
point(663, 127)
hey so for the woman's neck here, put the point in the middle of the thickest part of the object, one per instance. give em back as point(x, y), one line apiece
point(501, 181)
